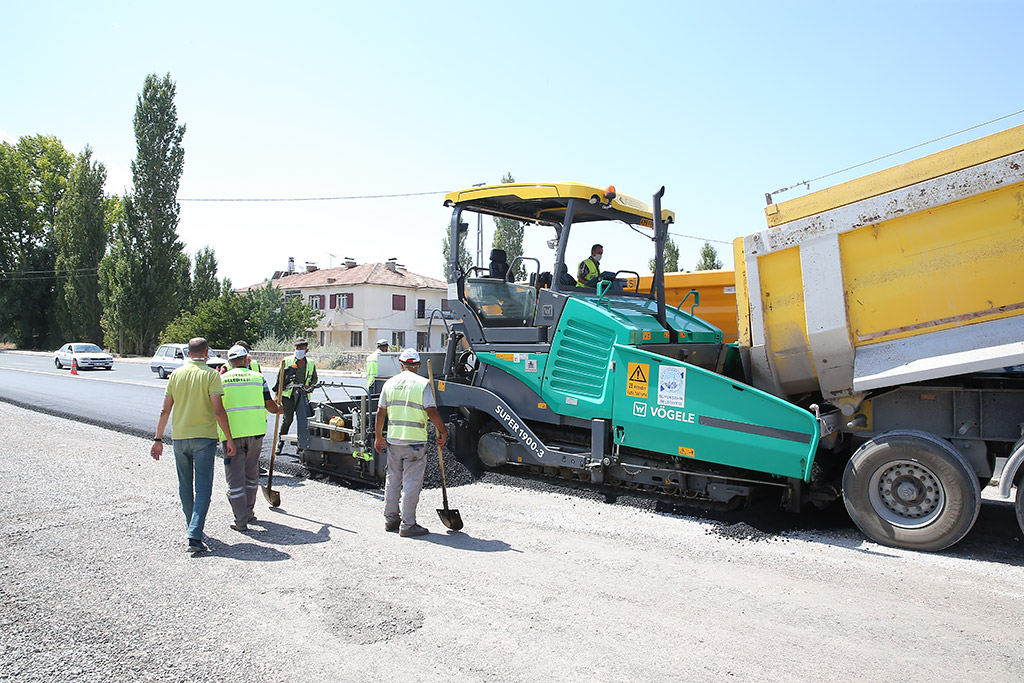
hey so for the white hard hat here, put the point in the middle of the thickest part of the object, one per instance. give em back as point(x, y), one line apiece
point(237, 351)
point(383, 342)
point(409, 356)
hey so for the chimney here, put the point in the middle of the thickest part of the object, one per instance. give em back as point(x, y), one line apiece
point(392, 265)
point(350, 262)
point(310, 267)
point(291, 264)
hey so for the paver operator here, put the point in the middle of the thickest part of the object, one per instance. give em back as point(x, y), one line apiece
point(371, 364)
point(298, 370)
point(590, 268)
point(407, 400)
point(194, 393)
point(247, 399)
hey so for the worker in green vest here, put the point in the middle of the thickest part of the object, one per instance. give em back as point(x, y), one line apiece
point(247, 401)
point(298, 369)
point(590, 268)
point(407, 401)
point(371, 364)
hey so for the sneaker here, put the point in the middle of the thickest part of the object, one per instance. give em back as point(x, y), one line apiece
point(414, 530)
point(197, 546)
point(392, 526)
point(239, 527)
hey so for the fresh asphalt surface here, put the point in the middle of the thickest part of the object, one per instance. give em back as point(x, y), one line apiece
point(128, 398)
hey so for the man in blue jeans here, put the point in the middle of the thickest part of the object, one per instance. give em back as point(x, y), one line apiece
point(195, 394)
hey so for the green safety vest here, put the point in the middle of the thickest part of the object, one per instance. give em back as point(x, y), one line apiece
point(407, 418)
point(587, 271)
point(371, 369)
point(243, 402)
point(310, 367)
point(253, 365)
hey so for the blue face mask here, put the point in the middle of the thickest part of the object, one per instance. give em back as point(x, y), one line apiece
point(300, 354)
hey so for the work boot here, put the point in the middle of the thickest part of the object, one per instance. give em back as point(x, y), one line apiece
point(239, 527)
point(197, 546)
point(414, 530)
point(392, 526)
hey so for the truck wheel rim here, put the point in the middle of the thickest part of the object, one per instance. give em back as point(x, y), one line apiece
point(906, 494)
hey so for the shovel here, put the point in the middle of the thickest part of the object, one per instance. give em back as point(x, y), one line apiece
point(450, 518)
point(274, 497)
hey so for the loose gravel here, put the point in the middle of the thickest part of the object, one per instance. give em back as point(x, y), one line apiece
point(542, 585)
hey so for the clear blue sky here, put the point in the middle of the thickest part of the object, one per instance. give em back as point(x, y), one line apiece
point(719, 102)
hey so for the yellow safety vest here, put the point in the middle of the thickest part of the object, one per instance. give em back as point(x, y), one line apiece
point(587, 271)
point(253, 365)
point(407, 418)
point(371, 369)
point(291, 362)
point(243, 402)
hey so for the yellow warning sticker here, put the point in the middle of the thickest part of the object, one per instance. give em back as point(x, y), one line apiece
point(440, 386)
point(542, 406)
point(505, 356)
point(637, 379)
point(646, 336)
point(686, 452)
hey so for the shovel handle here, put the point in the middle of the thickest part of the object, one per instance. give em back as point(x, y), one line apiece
point(440, 455)
point(277, 424)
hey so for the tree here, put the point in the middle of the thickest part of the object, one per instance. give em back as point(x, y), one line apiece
point(465, 257)
point(671, 260)
point(145, 247)
point(508, 235)
point(708, 258)
point(80, 234)
point(33, 177)
point(183, 276)
point(205, 285)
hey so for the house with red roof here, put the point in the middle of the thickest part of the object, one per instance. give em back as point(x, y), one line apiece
point(366, 302)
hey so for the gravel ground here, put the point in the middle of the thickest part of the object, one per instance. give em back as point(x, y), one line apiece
point(542, 585)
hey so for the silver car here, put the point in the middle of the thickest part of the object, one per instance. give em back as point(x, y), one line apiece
point(170, 357)
point(83, 355)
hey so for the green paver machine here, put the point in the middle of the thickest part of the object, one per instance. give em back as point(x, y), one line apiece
point(602, 385)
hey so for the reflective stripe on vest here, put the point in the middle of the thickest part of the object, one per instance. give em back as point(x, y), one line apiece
point(588, 270)
point(243, 402)
point(371, 369)
point(407, 418)
point(290, 362)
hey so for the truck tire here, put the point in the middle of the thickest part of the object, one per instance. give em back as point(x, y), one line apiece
point(910, 489)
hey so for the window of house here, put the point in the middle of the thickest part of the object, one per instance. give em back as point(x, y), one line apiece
point(421, 308)
point(346, 300)
point(444, 306)
point(398, 302)
point(321, 335)
point(317, 301)
point(398, 338)
point(421, 341)
point(356, 340)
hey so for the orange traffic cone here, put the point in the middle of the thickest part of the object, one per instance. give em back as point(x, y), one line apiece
point(74, 366)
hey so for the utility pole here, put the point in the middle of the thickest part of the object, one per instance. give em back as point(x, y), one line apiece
point(479, 235)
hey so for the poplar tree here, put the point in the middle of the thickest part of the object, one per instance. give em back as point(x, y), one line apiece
point(671, 260)
point(708, 258)
point(80, 233)
point(205, 285)
point(508, 235)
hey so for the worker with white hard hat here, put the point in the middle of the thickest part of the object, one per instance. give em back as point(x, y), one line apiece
point(407, 400)
point(371, 364)
point(247, 400)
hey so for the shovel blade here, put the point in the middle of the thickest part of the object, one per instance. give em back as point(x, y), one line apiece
point(273, 497)
point(450, 518)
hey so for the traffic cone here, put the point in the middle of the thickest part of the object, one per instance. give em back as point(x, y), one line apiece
point(74, 366)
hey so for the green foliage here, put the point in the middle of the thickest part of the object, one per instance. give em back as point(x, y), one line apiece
point(144, 250)
point(257, 314)
point(80, 235)
point(183, 276)
point(708, 258)
point(33, 177)
point(671, 257)
point(465, 256)
point(508, 235)
point(205, 285)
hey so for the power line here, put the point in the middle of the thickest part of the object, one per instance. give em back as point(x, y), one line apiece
point(807, 183)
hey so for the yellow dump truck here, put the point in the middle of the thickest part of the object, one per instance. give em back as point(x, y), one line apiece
point(894, 303)
point(716, 296)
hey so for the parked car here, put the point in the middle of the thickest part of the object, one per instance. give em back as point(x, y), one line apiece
point(83, 355)
point(170, 357)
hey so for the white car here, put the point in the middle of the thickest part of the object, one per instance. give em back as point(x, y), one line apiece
point(83, 355)
point(170, 357)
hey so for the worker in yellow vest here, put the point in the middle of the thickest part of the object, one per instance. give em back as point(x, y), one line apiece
point(371, 364)
point(253, 365)
point(407, 400)
point(298, 369)
point(590, 268)
point(247, 401)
